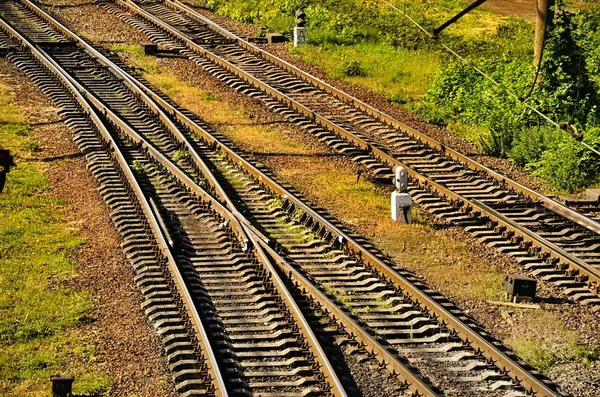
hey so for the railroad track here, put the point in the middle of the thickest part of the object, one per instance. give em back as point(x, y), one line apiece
point(590, 208)
point(178, 182)
point(550, 241)
point(258, 344)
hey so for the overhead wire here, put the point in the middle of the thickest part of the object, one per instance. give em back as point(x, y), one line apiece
point(570, 129)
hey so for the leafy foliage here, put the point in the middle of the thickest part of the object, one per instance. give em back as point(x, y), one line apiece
point(565, 92)
point(458, 95)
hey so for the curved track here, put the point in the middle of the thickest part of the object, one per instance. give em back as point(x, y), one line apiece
point(549, 240)
point(262, 343)
point(249, 345)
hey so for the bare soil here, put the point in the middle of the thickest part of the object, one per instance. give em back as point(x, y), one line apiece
point(526, 9)
point(127, 348)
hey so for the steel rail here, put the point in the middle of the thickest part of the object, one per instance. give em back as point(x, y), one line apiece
point(247, 231)
point(548, 203)
point(515, 370)
point(198, 326)
point(304, 328)
point(574, 264)
point(260, 243)
point(382, 353)
point(464, 331)
point(151, 104)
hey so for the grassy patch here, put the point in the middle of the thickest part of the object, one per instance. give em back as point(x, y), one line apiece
point(135, 53)
point(38, 310)
point(399, 74)
point(548, 343)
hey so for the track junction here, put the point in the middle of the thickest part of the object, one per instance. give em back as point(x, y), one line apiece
point(237, 270)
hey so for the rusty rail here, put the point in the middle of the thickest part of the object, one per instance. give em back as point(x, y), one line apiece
point(218, 383)
point(574, 264)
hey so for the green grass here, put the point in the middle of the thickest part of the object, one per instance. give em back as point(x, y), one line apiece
point(400, 75)
point(39, 311)
point(543, 341)
point(543, 357)
point(135, 52)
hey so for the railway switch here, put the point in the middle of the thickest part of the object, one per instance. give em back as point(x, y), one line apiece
point(6, 161)
point(300, 29)
point(62, 386)
point(520, 288)
point(401, 200)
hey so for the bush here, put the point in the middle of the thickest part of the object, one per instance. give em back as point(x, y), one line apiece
point(530, 143)
point(569, 167)
point(353, 69)
point(565, 93)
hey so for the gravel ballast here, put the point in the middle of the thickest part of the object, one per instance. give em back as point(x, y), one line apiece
point(580, 321)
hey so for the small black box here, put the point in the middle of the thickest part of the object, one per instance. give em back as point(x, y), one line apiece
point(520, 286)
point(150, 49)
point(273, 38)
point(62, 386)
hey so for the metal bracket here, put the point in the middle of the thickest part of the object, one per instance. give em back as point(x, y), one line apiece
point(455, 18)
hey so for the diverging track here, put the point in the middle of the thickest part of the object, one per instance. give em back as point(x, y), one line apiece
point(550, 241)
point(217, 243)
point(253, 337)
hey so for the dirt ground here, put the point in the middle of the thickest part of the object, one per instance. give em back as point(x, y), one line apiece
point(514, 8)
point(521, 8)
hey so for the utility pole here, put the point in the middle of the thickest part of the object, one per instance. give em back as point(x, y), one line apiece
point(543, 20)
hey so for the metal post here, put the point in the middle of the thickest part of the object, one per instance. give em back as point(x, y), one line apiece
point(544, 19)
point(401, 200)
point(436, 32)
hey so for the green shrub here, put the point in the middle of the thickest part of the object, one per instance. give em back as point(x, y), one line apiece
point(530, 143)
point(353, 68)
point(568, 167)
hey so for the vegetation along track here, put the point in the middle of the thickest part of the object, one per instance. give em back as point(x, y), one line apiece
point(551, 242)
point(258, 341)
